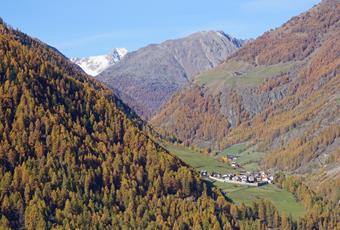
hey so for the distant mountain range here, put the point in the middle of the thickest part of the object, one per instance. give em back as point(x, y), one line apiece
point(148, 77)
point(93, 65)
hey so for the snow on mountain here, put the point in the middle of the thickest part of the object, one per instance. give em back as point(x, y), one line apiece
point(94, 65)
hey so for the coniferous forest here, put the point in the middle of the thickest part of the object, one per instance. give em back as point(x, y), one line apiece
point(70, 158)
point(74, 156)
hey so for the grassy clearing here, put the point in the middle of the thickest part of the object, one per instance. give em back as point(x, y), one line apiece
point(198, 160)
point(246, 74)
point(234, 150)
point(247, 157)
point(222, 72)
point(258, 74)
point(282, 199)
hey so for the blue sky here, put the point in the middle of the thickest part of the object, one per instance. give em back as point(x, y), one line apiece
point(90, 27)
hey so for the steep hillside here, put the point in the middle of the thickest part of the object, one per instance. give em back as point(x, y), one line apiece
point(279, 92)
point(258, 76)
point(302, 130)
point(149, 76)
point(72, 159)
point(94, 65)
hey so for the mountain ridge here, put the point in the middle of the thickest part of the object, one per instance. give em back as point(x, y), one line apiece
point(153, 73)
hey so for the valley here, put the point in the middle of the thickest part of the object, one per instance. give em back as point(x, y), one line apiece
point(193, 128)
point(285, 201)
point(277, 93)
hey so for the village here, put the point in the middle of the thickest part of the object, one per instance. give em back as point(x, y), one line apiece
point(242, 178)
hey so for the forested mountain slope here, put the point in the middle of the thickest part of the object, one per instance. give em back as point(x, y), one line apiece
point(69, 157)
point(148, 77)
point(292, 61)
point(72, 159)
point(280, 92)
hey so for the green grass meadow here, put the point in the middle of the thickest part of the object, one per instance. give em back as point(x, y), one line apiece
point(248, 158)
point(282, 199)
point(248, 75)
point(198, 160)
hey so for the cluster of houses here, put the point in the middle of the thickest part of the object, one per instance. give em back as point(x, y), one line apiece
point(234, 164)
point(246, 178)
point(232, 159)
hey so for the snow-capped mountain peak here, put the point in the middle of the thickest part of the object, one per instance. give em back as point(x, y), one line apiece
point(94, 65)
